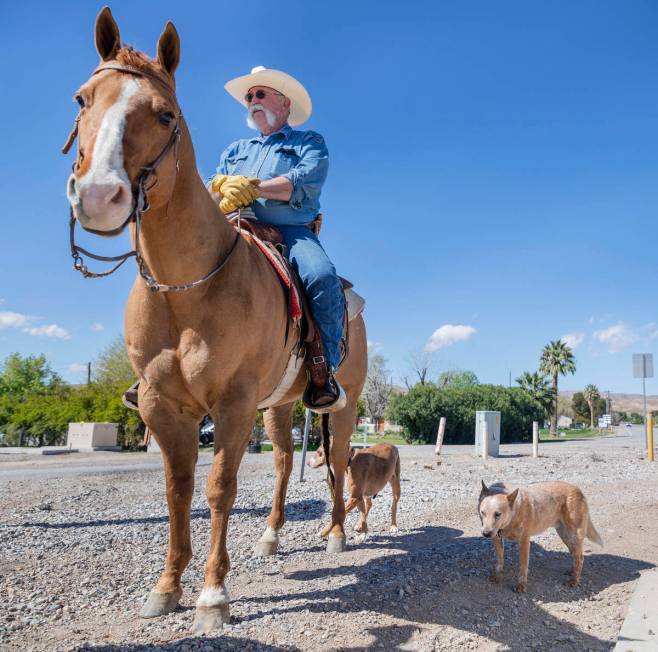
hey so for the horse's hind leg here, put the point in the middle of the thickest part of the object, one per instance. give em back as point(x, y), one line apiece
point(342, 426)
point(178, 440)
point(278, 423)
point(395, 486)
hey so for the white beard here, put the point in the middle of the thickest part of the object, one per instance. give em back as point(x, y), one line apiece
point(269, 116)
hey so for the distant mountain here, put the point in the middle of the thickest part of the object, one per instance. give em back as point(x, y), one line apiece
point(624, 402)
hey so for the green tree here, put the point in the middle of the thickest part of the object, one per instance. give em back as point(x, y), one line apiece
point(23, 375)
point(556, 360)
point(455, 379)
point(591, 394)
point(582, 409)
point(537, 386)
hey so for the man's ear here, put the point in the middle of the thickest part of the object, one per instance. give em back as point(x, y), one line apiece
point(169, 49)
point(512, 497)
point(108, 41)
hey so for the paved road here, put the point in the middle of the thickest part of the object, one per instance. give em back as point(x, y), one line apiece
point(107, 463)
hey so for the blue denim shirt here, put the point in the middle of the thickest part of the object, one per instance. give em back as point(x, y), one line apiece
point(299, 156)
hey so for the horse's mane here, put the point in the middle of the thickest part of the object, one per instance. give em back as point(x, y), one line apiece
point(128, 56)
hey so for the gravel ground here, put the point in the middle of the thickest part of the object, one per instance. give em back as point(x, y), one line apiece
point(80, 553)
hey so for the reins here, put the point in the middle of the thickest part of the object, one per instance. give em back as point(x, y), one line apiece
point(141, 203)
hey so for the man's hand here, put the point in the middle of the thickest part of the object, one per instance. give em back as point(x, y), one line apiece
point(237, 191)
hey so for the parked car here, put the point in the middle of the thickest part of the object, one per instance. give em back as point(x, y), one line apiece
point(206, 431)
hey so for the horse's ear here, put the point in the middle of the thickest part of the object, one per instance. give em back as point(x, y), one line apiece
point(169, 49)
point(108, 41)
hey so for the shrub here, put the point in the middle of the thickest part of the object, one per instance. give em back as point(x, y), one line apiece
point(420, 410)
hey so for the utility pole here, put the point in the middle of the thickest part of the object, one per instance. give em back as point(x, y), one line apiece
point(89, 373)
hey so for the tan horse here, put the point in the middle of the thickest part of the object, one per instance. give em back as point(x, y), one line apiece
point(217, 348)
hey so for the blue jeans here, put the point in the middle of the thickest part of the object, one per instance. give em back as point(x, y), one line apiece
point(322, 285)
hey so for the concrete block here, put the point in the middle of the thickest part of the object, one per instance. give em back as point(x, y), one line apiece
point(92, 436)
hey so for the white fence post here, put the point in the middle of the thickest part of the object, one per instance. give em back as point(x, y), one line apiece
point(485, 441)
point(439, 436)
point(535, 439)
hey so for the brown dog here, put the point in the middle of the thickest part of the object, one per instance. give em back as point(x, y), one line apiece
point(368, 472)
point(526, 511)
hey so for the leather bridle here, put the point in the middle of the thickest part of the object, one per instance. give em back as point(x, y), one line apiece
point(141, 203)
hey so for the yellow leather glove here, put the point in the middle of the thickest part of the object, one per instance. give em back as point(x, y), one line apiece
point(218, 181)
point(238, 192)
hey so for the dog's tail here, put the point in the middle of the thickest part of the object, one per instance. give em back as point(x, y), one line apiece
point(592, 534)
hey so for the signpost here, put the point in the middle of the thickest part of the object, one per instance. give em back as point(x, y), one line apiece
point(643, 368)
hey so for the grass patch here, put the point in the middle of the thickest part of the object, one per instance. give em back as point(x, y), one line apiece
point(574, 434)
point(388, 436)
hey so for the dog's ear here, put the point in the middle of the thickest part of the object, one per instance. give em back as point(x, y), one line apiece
point(512, 497)
point(485, 489)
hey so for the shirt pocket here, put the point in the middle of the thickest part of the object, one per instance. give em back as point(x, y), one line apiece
point(235, 163)
point(285, 159)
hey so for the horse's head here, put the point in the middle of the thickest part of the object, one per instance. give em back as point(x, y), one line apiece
point(128, 125)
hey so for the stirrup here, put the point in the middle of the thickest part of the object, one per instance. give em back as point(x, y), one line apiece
point(335, 406)
point(127, 397)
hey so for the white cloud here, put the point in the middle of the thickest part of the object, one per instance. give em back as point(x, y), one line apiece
point(12, 320)
point(573, 340)
point(77, 368)
point(591, 320)
point(97, 327)
point(448, 334)
point(616, 338)
point(51, 330)
point(373, 346)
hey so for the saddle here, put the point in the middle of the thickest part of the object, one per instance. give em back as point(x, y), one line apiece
point(270, 240)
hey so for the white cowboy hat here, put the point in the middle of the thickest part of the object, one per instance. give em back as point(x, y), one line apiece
point(300, 101)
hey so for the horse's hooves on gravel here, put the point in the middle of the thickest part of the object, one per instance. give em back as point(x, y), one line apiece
point(336, 544)
point(159, 604)
point(266, 548)
point(394, 529)
point(362, 537)
point(210, 619)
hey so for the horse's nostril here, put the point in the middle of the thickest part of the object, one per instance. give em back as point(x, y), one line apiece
point(117, 197)
point(72, 190)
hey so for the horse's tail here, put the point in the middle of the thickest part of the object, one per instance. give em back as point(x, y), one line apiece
point(326, 444)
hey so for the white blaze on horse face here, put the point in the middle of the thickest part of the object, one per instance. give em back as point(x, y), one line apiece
point(102, 198)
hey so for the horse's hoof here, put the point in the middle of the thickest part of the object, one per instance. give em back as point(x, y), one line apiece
point(266, 548)
point(362, 537)
point(210, 619)
point(394, 529)
point(159, 604)
point(336, 544)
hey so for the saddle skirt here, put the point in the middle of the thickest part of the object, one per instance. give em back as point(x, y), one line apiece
point(269, 240)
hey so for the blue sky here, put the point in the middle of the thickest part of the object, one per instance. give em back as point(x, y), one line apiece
point(493, 167)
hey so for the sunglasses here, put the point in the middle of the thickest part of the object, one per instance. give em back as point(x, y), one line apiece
point(259, 94)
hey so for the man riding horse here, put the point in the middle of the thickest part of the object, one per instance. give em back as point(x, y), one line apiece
point(279, 175)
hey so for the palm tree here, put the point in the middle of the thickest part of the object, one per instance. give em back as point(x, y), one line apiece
point(556, 359)
point(537, 386)
point(591, 393)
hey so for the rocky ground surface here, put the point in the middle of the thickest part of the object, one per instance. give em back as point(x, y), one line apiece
point(78, 555)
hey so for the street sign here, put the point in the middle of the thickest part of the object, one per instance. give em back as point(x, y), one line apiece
point(642, 365)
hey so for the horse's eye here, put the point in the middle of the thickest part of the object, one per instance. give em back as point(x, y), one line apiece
point(80, 101)
point(166, 118)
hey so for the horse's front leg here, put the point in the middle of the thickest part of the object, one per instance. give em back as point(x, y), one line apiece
point(233, 422)
point(278, 423)
point(177, 436)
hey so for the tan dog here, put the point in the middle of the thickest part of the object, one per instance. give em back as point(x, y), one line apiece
point(526, 511)
point(368, 472)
